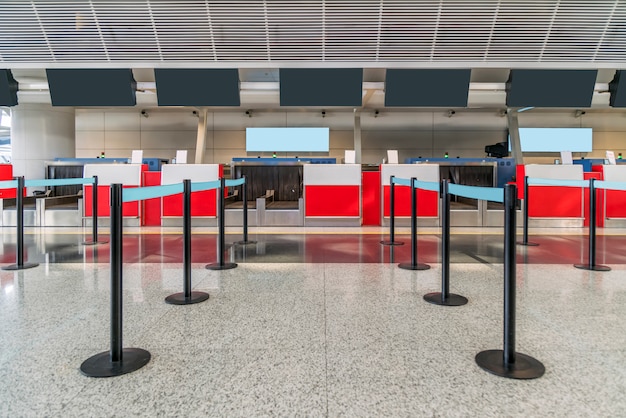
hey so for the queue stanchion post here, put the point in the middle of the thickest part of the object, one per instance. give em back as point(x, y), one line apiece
point(94, 215)
point(118, 360)
point(187, 297)
point(244, 193)
point(19, 212)
point(392, 215)
point(221, 264)
point(413, 265)
point(525, 214)
point(444, 297)
point(507, 362)
point(592, 233)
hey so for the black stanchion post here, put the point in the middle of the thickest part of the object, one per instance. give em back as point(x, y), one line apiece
point(118, 360)
point(592, 233)
point(187, 297)
point(221, 264)
point(507, 362)
point(525, 214)
point(245, 240)
point(414, 265)
point(94, 215)
point(19, 212)
point(445, 297)
point(392, 215)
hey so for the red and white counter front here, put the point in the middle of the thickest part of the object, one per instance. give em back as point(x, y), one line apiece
point(332, 194)
point(129, 175)
point(614, 202)
point(550, 206)
point(203, 203)
point(427, 200)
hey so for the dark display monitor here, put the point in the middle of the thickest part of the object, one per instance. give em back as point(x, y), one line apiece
point(550, 88)
point(197, 87)
point(321, 87)
point(8, 89)
point(92, 87)
point(427, 87)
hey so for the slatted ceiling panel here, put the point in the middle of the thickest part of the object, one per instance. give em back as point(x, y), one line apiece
point(427, 31)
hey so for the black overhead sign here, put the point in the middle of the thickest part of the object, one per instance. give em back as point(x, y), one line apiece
point(92, 87)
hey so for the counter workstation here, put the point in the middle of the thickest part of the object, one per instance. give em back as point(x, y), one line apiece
point(332, 195)
point(612, 203)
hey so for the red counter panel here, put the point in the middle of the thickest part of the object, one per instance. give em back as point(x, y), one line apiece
point(152, 207)
point(130, 209)
point(555, 202)
point(203, 203)
point(427, 201)
point(371, 197)
point(331, 201)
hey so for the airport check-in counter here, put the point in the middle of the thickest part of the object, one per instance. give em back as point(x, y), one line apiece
point(427, 200)
point(614, 201)
point(203, 203)
point(554, 206)
point(332, 195)
point(129, 175)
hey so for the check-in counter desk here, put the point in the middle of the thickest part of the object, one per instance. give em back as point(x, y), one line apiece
point(332, 195)
point(427, 200)
point(203, 203)
point(554, 206)
point(129, 175)
point(614, 201)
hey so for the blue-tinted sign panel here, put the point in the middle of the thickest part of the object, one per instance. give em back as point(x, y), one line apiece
point(556, 139)
point(287, 139)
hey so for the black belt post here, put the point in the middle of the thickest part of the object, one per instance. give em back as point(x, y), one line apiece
point(187, 297)
point(592, 233)
point(392, 216)
point(118, 360)
point(445, 297)
point(244, 192)
point(221, 264)
point(525, 213)
point(94, 215)
point(506, 362)
point(19, 212)
point(414, 265)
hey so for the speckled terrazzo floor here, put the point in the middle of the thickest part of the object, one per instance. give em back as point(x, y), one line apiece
point(302, 339)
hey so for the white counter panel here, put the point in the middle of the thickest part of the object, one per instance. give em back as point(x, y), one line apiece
point(176, 173)
point(422, 172)
point(126, 174)
point(332, 174)
point(555, 171)
point(614, 172)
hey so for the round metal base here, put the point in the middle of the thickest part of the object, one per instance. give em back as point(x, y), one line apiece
point(451, 300)
point(22, 267)
point(596, 267)
point(244, 242)
point(180, 299)
point(392, 243)
point(101, 365)
point(218, 266)
point(94, 242)
point(409, 266)
point(527, 244)
point(525, 367)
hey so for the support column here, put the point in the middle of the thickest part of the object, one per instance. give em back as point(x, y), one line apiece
point(516, 147)
point(201, 137)
point(357, 136)
point(40, 133)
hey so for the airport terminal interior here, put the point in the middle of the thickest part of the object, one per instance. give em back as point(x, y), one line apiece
point(337, 208)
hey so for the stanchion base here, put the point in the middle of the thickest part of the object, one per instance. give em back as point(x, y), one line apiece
point(22, 267)
point(392, 242)
point(244, 242)
point(409, 266)
point(596, 267)
point(101, 365)
point(525, 367)
point(180, 299)
point(451, 300)
point(528, 243)
point(218, 266)
point(94, 242)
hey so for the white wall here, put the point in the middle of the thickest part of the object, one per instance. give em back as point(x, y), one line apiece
point(413, 134)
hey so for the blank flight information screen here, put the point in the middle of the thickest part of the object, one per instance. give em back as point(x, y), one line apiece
point(287, 139)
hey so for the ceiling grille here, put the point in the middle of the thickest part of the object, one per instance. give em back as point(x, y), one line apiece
point(159, 31)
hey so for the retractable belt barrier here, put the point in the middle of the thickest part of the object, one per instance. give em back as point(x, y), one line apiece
point(592, 185)
point(392, 210)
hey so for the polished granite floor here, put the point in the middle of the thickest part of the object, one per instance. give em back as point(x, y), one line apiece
point(312, 324)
